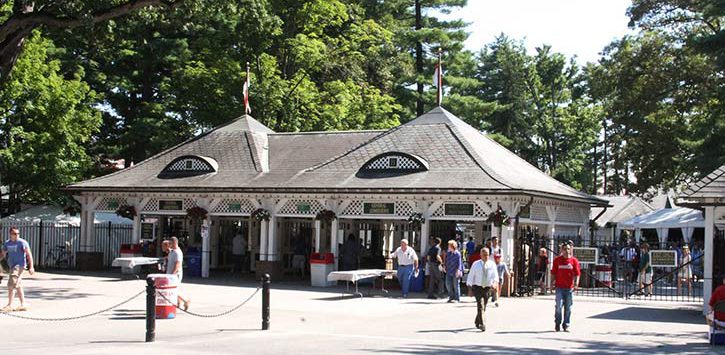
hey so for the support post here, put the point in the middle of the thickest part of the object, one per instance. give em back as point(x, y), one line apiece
point(263, 240)
point(333, 241)
point(272, 240)
point(265, 301)
point(205, 248)
point(424, 236)
point(709, 254)
point(150, 310)
point(318, 232)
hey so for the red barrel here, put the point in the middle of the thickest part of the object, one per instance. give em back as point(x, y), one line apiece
point(166, 294)
point(604, 275)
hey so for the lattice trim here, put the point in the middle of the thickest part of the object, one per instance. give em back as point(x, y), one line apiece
point(354, 209)
point(292, 207)
point(237, 206)
point(111, 203)
point(404, 209)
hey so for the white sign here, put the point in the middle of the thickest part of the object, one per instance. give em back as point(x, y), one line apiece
point(205, 231)
point(663, 258)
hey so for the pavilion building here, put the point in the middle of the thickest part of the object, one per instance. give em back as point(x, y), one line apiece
point(273, 188)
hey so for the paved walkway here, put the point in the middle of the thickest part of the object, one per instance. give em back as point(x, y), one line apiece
point(307, 320)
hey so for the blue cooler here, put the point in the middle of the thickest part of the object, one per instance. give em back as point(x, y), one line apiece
point(416, 285)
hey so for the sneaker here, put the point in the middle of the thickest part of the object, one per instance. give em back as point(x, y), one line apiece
point(450, 301)
point(431, 297)
point(557, 327)
point(496, 304)
point(566, 329)
point(483, 327)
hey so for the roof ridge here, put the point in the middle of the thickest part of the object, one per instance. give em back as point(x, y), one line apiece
point(705, 180)
point(328, 132)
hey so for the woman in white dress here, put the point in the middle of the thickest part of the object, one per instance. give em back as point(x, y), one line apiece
point(685, 273)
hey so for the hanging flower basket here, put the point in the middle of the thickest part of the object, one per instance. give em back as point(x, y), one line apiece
point(126, 211)
point(326, 216)
point(260, 214)
point(196, 213)
point(499, 218)
point(416, 219)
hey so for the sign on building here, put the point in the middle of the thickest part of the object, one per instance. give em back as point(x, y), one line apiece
point(304, 207)
point(586, 255)
point(663, 258)
point(170, 205)
point(458, 209)
point(147, 231)
point(378, 208)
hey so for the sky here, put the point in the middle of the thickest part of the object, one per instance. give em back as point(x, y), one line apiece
point(573, 27)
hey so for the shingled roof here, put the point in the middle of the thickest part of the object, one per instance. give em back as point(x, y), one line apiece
point(711, 186)
point(250, 156)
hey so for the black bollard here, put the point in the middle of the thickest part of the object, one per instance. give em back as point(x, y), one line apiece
point(150, 311)
point(265, 302)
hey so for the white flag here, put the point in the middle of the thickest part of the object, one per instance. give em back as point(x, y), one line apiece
point(436, 76)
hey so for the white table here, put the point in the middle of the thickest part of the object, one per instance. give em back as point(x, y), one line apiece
point(132, 265)
point(356, 275)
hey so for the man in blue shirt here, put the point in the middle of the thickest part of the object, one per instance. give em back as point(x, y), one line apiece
point(19, 256)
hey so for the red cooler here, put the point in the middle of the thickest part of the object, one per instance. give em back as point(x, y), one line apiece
point(165, 290)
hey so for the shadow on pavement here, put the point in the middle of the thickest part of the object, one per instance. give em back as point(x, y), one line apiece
point(454, 331)
point(647, 314)
point(54, 294)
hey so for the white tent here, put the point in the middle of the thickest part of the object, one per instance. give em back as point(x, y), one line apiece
point(54, 214)
point(665, 218)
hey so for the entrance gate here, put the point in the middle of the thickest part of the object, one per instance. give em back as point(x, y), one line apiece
point(611, 274)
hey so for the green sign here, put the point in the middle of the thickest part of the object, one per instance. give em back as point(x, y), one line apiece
point(170, 205)
point(303, 207)
point(586, 255)
point(235, 206)
point(663, 258)
point(459, 209)
point(378, 208)
point(525, 212)
point(147, 230)
point(113, 205)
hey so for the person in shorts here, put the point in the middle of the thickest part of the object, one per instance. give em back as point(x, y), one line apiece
point(645, 270)
point(19, 256)
point(174, 266)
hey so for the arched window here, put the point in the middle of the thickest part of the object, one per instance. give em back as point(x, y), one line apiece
point(189, 165)
point(392, 164)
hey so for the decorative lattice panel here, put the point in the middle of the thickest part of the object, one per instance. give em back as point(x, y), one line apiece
point(539, 213)
point(111, 203)
point(188, 164)
point(301, 207)
point(152, 205)
point(354, 209)
point(479, 211)
point(404, 209)
point(569, 214)
point(399, 162)
point(188, 203)
point(240, 206)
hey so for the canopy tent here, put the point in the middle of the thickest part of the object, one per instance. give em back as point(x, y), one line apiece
point(663, 219)
point(54, 214)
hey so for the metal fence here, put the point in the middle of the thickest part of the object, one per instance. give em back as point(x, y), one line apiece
point(56, 246)
point(614, 275)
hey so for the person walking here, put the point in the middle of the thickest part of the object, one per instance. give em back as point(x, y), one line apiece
point(454, 272)
point(174, 267)
point(407, 265)
point(239, 251)
point(19, 256)
point(503, 272)
point(434, 261)
point(645, 271)
point(482, 280)
point(542, 264)
point(685, 273)
point(299, 258)
point(565, 272)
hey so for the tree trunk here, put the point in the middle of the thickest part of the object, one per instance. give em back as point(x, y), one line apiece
point(420, 109)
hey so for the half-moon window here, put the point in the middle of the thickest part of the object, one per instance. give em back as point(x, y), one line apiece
point(392, 164)
point(189, 165)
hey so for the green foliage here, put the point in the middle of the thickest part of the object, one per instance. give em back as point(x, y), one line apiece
point(46, 120)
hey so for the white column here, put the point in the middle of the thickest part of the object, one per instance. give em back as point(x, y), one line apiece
point(550, 261)
point(205, 247)
point(90, 243)
point(273, 240)
point(478, 232)
point(136, 228)
point(318, 232)
point(333, 241)
point(390, 240)
point(263, 240)
point(708, 250)
point(424, 236)
point(507, 244)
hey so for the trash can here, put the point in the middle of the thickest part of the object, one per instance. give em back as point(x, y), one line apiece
point(193, 262)
point(321, 264)
point(604, 275)
point(417, 283)
point(166, 293)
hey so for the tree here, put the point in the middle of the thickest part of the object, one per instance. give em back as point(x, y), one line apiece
point(18, 18)
point(45, 122)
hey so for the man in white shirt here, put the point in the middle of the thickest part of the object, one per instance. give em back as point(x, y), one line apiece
point(174, 267)
point(407, 265)
point(482, 280)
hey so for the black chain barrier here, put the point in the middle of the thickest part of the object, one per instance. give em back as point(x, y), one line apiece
point(215, 315)
point(15, 315)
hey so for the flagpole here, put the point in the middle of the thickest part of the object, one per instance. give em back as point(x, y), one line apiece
point(439, 91)
point(247, 109)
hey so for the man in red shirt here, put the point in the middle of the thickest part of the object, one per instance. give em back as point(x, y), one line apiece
point(717, 296)
point(565, 271)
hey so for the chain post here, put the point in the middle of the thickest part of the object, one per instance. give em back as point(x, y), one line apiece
point(265, 301)
point(150, 310)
